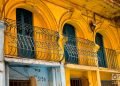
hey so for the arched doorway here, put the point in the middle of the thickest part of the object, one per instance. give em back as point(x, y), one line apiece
point(101, 51)
point(25, 33)
point(70, 49)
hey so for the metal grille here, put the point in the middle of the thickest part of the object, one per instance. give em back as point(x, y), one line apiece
point(75, 82)
point(102, 57)
point(19, 83)
point(45, 42)
point(101, 51)
point(111, 57)
point(85, 53)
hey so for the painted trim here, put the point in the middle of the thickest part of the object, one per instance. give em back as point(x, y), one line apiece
point(108, 70)
point(32, 61)
point(80, 67)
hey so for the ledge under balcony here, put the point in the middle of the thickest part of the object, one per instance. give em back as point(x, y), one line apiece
point(80, 53)
point(23, 41)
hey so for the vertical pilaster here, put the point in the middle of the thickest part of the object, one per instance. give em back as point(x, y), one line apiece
point(67, 74)
point(98, 78)
point(62, 73)
point(54, 76)
point(94, 78)
point(90, 78)
point(6, 75)
point(2, 64)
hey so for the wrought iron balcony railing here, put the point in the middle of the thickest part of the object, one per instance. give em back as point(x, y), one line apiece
point(80, 51)
point(108, 58)
point(22, 41)
point(112, 60)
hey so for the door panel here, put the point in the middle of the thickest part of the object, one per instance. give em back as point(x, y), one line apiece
point(25, 33)
point(70, 49)
point(101, 51)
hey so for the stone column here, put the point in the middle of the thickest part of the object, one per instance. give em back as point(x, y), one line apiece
point(2, 64)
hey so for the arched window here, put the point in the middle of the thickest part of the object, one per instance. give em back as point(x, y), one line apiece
point(101, 51)
point(25, 33)
point(70, 49)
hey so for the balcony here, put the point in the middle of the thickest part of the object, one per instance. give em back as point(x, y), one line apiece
point(110, 59)
point(43, 45)
point(80, 51)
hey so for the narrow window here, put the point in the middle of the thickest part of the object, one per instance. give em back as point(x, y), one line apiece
point(70, 49)
point(101, 51)
point(25, 33)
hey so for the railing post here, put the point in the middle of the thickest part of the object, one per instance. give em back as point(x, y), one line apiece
point(2, 63)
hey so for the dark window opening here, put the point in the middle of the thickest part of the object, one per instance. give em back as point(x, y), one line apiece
point(19, 83)
point(101, 51)
point(70, 49)
point(76, 82)
point(25, 33)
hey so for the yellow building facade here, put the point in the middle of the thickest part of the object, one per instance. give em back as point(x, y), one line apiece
point(83, 35)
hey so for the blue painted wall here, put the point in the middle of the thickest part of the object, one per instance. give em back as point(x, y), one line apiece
point(23, 73)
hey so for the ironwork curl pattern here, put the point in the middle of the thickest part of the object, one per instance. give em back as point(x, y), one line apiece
point(111, 59)
point(85, 53)
point(44, 42)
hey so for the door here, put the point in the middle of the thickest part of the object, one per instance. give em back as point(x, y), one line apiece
point(101, 51)
point(70, 49)
point(25, 33)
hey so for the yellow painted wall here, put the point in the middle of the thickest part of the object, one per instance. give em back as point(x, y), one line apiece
point(51, 16)
point(106, 75)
